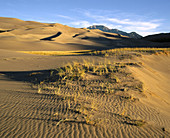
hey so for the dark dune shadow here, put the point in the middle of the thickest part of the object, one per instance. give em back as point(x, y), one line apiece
point(106, 43)
point(29, 28)
point(29, 76)
point(88, 47)
point(100, 38)
point(2, 31)
point(111, 43)
point(96, 38)
point(51, 37)
point(115, 36)
point(160, 38)
point(77, 35)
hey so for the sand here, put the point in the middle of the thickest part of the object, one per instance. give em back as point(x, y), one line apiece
point(155, 75)
point(25, 112)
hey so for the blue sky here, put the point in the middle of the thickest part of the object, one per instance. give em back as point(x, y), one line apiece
point(142, 16)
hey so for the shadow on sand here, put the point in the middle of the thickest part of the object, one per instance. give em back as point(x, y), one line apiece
point(51, 37)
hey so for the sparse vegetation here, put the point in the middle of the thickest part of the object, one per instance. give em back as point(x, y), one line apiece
point(120, 53)
point(58, 53)
point(129, 53)
point(79, 85)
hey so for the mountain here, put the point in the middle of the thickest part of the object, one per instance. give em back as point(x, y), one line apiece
point(106, 29)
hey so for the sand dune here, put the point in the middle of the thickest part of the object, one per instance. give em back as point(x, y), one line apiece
point(29, 33)
point(161, 38)
point(155, 75)
point(121, 93)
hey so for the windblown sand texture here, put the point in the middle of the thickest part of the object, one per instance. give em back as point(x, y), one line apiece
point(80, 92)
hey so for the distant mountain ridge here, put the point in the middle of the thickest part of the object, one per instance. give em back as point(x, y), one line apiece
point(106, 29)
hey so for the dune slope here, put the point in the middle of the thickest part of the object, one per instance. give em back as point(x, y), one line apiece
point(155, 75)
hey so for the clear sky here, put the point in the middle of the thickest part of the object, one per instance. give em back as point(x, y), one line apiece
point(142, 16)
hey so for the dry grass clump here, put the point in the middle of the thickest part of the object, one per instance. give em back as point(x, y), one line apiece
point(91, 78)
point(129, 53)
point(77, 86)
point(82, 90)
point(134, 122)
point(58, 53)
point(76, 109)
point(120, 53)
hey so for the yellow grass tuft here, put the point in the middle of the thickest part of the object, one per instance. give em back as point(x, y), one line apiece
point(57, 53)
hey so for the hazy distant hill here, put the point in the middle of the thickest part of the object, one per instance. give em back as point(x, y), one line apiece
point(106, 29)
